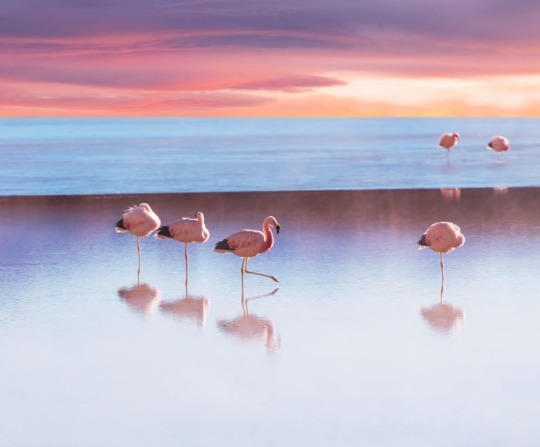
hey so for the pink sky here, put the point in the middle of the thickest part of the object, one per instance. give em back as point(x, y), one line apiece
point(261, 58)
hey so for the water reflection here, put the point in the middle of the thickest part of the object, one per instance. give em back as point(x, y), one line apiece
point(451, 193)
point(252, 327)
point(142, 298)
point(190, 308)
point(501, 190)
point(443, 316)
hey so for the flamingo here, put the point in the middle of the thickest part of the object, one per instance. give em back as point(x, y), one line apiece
point(140, 221)
point(442, 237)
point(250, 243)
point(186, 230)
point(448, 141)
point(498, 144)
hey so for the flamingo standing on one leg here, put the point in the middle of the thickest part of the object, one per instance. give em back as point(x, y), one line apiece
point(498, 144)
point(442, 237)
point(448, 141)
point(140, 221)
point(186, 230)
point(250, 243)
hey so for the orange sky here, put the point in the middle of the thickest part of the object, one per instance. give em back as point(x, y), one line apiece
point(238, 58)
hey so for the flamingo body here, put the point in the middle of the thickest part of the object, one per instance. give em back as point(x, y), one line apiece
point(250, 243)
point(449, 140)
point(499, 144)
point(187, 230)
point(442, 237)
point(139, 220)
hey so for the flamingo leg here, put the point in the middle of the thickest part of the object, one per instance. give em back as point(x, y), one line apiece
point(442, 277)
point(242, 270)
point(139, 255)
point(260, 274)
point(186, 258)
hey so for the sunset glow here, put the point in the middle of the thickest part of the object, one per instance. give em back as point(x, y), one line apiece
point(238, 58)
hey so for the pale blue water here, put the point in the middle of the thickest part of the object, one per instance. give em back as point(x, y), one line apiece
point(109, 156)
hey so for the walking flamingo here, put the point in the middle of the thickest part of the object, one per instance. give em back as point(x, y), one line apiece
point(448, 141)
point(442, 237)
point(186, 230)
point(498, 144)
point(140, 221)
point(250, 243)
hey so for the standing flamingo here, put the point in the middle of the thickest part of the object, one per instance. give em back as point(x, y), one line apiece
point(140, 221)
point(186, 230)
point(498, 144)
point(442, 237)
point(448, 141)
point(250, 243)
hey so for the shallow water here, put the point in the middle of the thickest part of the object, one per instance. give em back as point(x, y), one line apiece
point(118, 156)
point(350, 350)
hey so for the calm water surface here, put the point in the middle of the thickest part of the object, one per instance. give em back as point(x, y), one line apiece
point(352, 349)
point(109, 156)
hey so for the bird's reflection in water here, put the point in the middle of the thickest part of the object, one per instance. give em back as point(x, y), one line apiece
point(142, 298)
point(500, 190)
point(443, 317)
point(190, 308)
point(451, 194)
point(252, 327)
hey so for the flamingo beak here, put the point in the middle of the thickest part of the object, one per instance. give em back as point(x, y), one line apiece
point(277, 228)
point(422, 241)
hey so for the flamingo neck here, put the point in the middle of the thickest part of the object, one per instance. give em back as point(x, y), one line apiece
point(268, 238)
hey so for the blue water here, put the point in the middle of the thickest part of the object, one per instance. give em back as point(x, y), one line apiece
point(110, 156)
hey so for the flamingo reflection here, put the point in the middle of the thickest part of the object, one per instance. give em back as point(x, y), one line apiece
point(142, 298)
point(191, 308)
point(251, 327)
point(443, 316)
point(451, 194)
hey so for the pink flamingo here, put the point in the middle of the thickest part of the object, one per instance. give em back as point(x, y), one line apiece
point(442, 237)
point(498, 144)
point(250, 243)
point(448, 141)
point(186, 230)
point(140, 221)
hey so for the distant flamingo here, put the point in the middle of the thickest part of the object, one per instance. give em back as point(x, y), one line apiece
point(186, 230)
point(250, 243)
point(140, 221)
point(498, 144)
point(442, 237)
point(448, 141)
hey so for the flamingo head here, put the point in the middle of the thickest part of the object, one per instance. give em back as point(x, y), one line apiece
point(199, 216)
point(271, 220)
